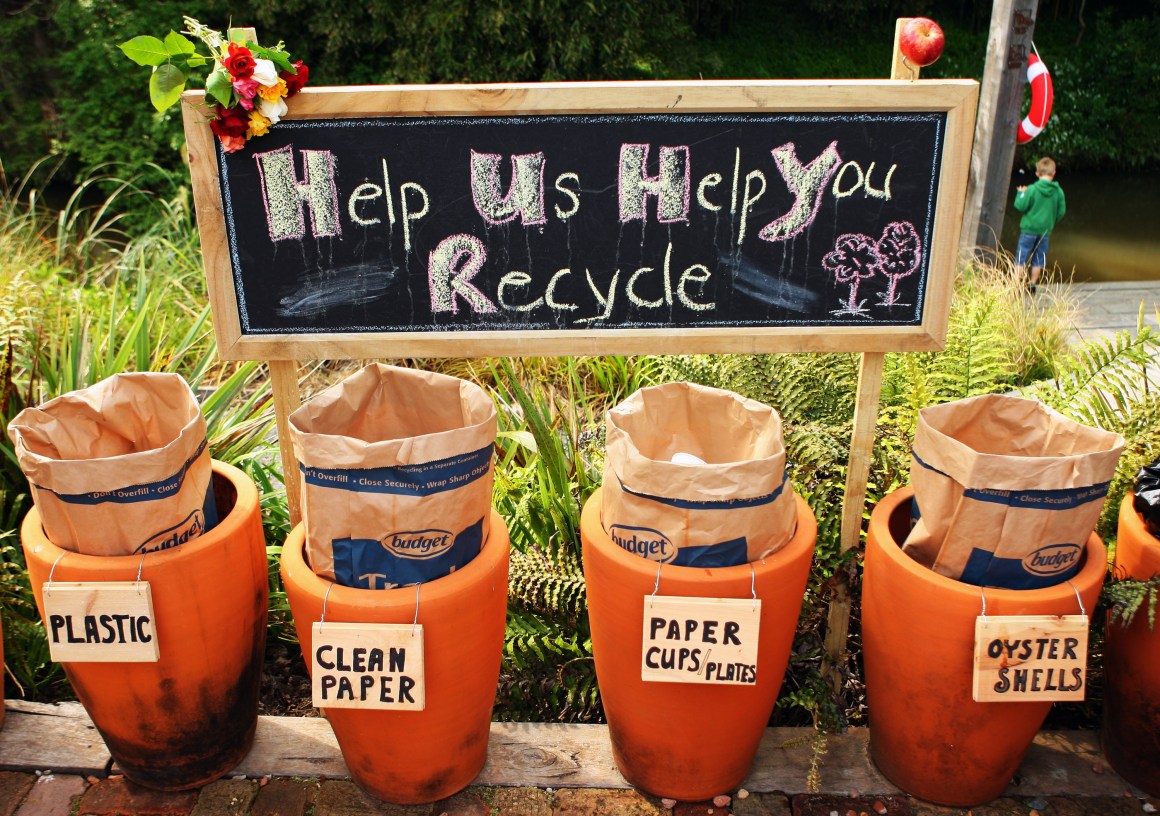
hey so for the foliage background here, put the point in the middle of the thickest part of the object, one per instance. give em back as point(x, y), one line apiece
point(66, 89)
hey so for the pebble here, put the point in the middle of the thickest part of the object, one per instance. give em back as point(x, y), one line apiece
point(834, 813)
point(879, 807)
point(1149, 807)
point(1097, 768)
point(722, 800)
point(668, 804)
point(851, 813)
point(854, 794)
point(263, 782)
point(742, 793)
point(1037, 804)
point(1035, 812)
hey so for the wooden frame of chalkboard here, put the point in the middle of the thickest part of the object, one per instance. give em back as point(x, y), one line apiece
point(587, 218)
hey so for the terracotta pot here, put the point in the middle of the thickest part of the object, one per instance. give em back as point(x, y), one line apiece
point(190, 717)
point(1131, 729)
point(682, 740)
point(415, 757)
point(927, 735)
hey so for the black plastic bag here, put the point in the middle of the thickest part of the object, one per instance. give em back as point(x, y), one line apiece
point(1147, 501)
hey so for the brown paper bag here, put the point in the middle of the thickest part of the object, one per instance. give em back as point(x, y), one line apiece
point(395, 467)
point(120, 467)
point(695, 476)
point(1006, 491)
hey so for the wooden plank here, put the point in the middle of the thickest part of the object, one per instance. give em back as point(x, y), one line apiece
point(101, 622)
point(1004, 80)
point(287, 399)
point(555, 755)
point(619, 97)
point(854, 499)
point(207, 203)
point(60, 738)
point(293, 746)
point(1022, 658)
point(899, 67)
point(759, 340)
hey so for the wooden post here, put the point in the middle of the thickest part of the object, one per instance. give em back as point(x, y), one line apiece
point(861, 448)
point(1000, 102)
point(287, 398)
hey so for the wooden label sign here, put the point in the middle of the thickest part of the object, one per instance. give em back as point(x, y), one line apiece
point(368, 665)
point(700, 640)
point(1030, 657)
point(100, 622)
point(557, 218)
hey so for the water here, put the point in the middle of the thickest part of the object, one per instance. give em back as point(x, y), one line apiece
point(1112, 228)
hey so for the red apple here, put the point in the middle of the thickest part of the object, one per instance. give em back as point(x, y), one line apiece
point(921, 41)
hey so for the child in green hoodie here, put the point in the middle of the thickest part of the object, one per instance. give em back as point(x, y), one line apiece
point(1042, 205)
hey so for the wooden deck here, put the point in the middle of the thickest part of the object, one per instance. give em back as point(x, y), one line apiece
point(1107, 308)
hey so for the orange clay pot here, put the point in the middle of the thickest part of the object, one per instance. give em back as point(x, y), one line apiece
point(415, 757)
point(683, 740)
point(190, 717)
point(927, 735)
point(1132, 666)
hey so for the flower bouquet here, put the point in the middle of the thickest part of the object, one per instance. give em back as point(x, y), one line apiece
point(248, 84)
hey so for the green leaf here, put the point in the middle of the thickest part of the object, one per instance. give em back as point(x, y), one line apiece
point(219, 86)
point(145, 50)
point(178, 45)
point(166, 85)
point(276, 55)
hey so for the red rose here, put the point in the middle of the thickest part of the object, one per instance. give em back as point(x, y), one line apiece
point(230, 125)
point(295, 82)
point(240, 62)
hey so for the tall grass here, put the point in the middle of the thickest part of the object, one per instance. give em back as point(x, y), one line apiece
point(80, 301)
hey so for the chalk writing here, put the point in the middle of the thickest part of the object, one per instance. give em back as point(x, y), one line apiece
point(584, 221)
point(525, 197)
point(806, 183)
point(285, 197)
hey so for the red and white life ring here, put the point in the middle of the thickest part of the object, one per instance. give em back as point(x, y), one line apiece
point(1042, 96)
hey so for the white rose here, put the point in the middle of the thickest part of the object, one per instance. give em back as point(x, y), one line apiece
point(265, 73)
point(274, 111)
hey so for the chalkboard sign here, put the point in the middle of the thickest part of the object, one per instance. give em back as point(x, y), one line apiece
point(585, 218)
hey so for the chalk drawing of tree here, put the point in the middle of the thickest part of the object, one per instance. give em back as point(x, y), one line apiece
point(854, 258)
point(901, 252)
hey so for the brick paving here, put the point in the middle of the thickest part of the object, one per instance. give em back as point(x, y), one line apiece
point(48, 794)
